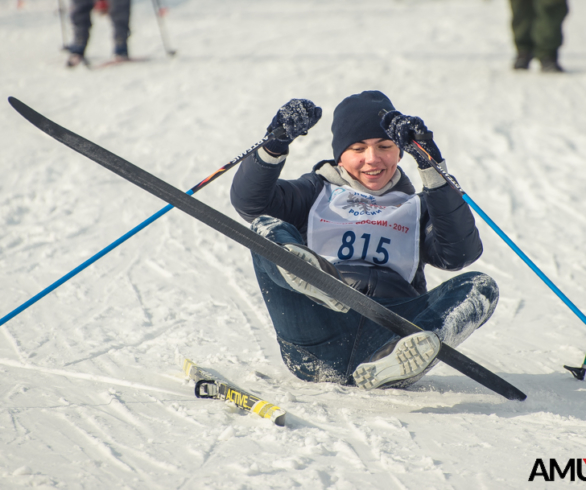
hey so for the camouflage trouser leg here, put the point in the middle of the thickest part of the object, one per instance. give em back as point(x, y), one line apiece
point(537, 26)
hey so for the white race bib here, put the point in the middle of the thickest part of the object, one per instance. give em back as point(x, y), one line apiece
point(352, 227)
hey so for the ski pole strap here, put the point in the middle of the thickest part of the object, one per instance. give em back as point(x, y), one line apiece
point(428, 135)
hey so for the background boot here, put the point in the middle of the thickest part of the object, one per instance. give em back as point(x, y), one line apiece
point(522, 60)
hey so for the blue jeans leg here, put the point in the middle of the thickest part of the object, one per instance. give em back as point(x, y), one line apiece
point(120, 15)
point(316, 342)
point(319, 344)
point(81, 21)
point(453, 311)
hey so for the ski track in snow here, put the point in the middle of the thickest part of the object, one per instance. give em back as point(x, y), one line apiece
point(91, 395)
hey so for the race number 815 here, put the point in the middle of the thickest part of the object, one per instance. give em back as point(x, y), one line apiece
point(346, 251)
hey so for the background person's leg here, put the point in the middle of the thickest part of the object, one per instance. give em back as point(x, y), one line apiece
point(522, 25)
point(120, 15)
point(547, 31)
point(81, 22)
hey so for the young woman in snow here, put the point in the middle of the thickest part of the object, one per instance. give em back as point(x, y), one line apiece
point(359, 218)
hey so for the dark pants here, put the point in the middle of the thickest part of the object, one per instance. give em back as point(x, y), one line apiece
point(537, 26)
point(319, 344)
point(119, 11)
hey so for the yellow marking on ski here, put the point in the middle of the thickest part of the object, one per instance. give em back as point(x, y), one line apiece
point(262, 408)
point(189, 368)
point(269, 411)
point(238, 398)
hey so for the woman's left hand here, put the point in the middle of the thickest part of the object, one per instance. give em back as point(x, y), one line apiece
point(402, 130)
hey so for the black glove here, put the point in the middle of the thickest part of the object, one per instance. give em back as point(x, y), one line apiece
point(296, 117)
point(402, 130)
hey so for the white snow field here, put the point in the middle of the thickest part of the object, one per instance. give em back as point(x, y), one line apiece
point(91, 395)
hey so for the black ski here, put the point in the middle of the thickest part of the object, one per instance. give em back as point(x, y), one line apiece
point(260, 245)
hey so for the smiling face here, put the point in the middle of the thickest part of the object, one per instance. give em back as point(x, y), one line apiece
point(372, 162)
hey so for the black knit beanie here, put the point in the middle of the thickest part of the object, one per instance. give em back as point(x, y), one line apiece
point(357, 118)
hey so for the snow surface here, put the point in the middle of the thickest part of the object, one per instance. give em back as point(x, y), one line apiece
point(90, 393)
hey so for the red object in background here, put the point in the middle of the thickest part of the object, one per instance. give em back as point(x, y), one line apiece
point(163, 11)
point(101, 6)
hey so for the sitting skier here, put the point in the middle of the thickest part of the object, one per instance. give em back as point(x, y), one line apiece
point(359, 218)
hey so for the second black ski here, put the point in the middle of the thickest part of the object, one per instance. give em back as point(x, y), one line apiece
point(262, 246)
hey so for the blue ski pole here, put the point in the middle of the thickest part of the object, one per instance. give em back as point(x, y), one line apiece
point(579, 373)
point(454, 185)
point(269, 137)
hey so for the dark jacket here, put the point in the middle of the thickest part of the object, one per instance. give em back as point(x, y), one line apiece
point(449, 237)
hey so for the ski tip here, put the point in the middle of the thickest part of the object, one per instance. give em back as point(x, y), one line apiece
point(519, 396)
point(190, 369)
point(267, 410)
point(513, 393)
point(280, 420)
point(19, 106)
